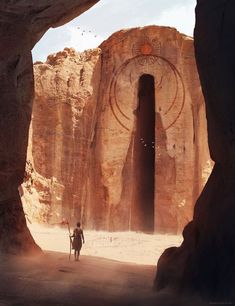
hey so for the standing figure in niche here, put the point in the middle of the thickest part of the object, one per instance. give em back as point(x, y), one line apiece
point(78, 239)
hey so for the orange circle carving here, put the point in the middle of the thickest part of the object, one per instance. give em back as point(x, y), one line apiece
point(146, 49)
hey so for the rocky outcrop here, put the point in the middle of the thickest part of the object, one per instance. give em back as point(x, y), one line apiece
point(22, 24)
point(118, 133)
point(64, 115)
point(135, 63)
point(204, 262)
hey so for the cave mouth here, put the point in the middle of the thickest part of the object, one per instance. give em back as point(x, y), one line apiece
point(144, 154)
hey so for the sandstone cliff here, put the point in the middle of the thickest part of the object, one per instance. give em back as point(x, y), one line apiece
point(64, 114)
point(205, 261)
point(118, 133)
point(22, 24)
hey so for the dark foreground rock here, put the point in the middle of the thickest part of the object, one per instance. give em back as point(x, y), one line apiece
point(22, 24)
point(204, 263)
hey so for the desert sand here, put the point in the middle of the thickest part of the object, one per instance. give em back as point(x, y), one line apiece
point(124, 277)
point(130, 247)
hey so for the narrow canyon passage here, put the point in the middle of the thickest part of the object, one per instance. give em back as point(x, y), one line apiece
point(144, 154)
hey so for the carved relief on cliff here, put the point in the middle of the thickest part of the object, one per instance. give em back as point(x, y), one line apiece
point(165, 58)
point(120, 140)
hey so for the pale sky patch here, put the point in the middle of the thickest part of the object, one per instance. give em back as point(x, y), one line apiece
point(81, 38)
point(109, 16)
point(180, 17)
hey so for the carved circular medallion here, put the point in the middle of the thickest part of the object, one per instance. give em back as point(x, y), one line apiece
point(173, 104)
point(146, 49)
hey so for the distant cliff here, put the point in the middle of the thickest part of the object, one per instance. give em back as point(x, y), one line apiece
point(118, 138)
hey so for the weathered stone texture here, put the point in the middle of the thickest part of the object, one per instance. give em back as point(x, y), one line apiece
point(90, 149)
point(22, 23)
point(204, 263)
point(62, 130)
point(168, 56)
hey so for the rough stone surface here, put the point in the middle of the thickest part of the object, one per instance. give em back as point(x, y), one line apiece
point(89, 150)
point(205, 261)
point(22, 24)
point(64, 114)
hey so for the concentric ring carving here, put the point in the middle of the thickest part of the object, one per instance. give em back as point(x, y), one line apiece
point(120, 114)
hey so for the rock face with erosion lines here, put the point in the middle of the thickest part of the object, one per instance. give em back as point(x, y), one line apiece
point(205, 260)
point(114, 151)
point(22, 24)
point(118, 136)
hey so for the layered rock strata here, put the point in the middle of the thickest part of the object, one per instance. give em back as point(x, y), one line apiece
point(118, 133)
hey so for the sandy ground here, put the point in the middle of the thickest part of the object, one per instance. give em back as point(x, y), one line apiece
point(129, 247)
point(51, 279)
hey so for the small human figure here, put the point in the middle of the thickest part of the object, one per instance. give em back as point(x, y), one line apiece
point(78, 239)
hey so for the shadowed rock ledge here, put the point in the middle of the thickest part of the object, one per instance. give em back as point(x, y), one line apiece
point(204, 263)
point(22, 24)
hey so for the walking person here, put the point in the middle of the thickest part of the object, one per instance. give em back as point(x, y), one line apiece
point(78, 239)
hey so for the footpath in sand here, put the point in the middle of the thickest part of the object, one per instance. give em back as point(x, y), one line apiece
point(122, 278)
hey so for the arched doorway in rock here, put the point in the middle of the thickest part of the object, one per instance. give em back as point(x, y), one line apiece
point(144, 156)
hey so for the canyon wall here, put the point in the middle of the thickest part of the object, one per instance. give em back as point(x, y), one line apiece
point(22, 24)
point(64, 114)
point(118, 135)
point(204, 263)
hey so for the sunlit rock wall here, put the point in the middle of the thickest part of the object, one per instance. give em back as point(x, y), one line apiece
point(86, 140)
point(64, 114)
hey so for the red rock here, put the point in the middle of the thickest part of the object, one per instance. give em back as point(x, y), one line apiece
point(100, 160)
point(22, 24)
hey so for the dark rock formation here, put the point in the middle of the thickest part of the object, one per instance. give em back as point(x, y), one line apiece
point(205, 261)
point(22, 24)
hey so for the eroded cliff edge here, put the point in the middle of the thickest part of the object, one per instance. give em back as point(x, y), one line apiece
point(204, 263)
point(87, 152)
point(22, 24)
